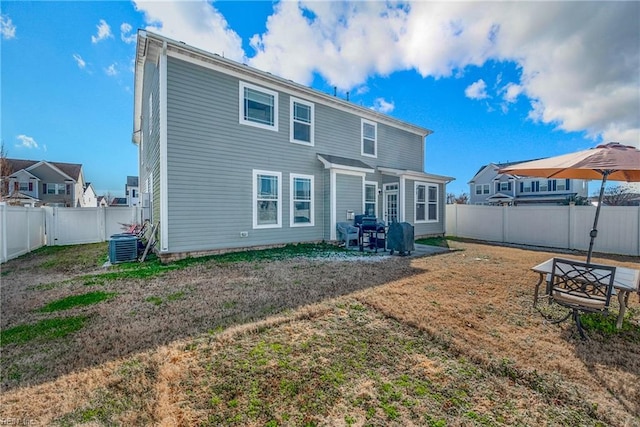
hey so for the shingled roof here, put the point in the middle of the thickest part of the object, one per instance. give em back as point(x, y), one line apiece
point(71, 169)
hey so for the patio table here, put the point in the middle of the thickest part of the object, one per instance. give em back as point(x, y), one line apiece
point(625, 281)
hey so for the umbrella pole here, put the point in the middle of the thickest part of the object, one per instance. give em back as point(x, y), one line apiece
point(594, 230)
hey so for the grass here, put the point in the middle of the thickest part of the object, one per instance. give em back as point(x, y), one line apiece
point(77, 300)
point(444, 340)
point(47, 329)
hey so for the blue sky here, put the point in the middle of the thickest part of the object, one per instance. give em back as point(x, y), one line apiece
point(495, 81)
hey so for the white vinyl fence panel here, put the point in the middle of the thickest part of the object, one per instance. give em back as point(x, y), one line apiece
point(24, 229)
point(73, 226)
point(21, 230)
point(563, 227)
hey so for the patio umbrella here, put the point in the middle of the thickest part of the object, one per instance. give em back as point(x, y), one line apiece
point(612, 161)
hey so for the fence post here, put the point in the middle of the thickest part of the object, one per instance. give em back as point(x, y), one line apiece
point(571, 226)
point(638, 238)
point(28, 215)
point(3, 229)
point(505, 223)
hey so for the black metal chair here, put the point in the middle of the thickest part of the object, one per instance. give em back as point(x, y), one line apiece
point(581, 287)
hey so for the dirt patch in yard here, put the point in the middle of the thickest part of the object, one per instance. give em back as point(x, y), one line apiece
point(451, 339)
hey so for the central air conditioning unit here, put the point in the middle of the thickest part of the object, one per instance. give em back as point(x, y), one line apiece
point(123, 248)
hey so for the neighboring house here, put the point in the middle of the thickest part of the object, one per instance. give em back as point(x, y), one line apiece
point(235, 157)
point(89, 198)
point(488, 187)
point(132, 191)
point(45, 183)
point(119, 202)
point(102, 202)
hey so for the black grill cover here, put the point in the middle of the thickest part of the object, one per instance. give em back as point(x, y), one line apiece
point(400, 237)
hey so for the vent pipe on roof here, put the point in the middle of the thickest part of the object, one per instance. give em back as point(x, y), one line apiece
point(335, 91)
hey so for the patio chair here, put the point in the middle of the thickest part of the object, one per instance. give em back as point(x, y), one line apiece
point(347, 233)
point(581, 287)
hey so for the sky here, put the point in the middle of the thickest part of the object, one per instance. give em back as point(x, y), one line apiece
point(495, 81)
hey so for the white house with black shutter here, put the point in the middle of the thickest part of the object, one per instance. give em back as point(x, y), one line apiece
point(488, 187)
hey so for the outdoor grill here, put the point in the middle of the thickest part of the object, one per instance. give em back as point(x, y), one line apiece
point(400, 238)
point(372, 233)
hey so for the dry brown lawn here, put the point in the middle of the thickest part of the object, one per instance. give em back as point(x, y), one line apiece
point(450, 339)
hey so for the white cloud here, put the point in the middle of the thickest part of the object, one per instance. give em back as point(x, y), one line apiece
point(125, 36)
point(197, 23)
point(511, 92)
point(111, 70)
point(26, 142)
point(7, 28)
point(81, 62)
point(104, 32)
point(476, 90)
point(383, 106)
point(577, 61)
point(344, 42)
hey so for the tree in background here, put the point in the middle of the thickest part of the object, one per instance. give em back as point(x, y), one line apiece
point(618, 196)
point(577, 200)
point(462, 199)
point(5, 171)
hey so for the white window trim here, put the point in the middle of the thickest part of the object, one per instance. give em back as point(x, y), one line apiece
point(364, 195)
point(292, 202)
point(426, 202)
point(310, 143)
point(243, 121)
point(278, 224)
point(375, 141)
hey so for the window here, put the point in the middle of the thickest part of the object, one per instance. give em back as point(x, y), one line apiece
point(426, 202)
point(370, 198)
point(267, 204)
point(24, 186)
point(485, 189)
point(421, 203)
point(56, 188)
point(369, 138)
point(433, 203)
point(258, 107)
point(301, 200)
point(505, 186)
point(562, 184)
point(478, 189)
point(301, 129)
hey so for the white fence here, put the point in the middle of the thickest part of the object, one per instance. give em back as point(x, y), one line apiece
point(21, 230)
point(25, 229)
point(563, 227)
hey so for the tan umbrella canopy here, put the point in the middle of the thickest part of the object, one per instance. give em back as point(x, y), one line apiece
point(612, 161)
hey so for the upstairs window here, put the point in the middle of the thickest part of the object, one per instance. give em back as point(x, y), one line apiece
point(369, 138)
point(258, 107)
point(301, 129)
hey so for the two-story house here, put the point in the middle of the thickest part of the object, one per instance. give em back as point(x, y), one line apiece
point(488, 187)
point(132, 191)
point(234, 157)
point(44, 183)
